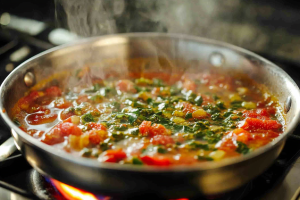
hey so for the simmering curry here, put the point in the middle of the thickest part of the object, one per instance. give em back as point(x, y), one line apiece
point(152, 121)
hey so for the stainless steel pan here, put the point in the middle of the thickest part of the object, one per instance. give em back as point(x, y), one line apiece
point(177, 51)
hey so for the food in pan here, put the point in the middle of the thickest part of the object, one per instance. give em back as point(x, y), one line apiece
point(148, 120)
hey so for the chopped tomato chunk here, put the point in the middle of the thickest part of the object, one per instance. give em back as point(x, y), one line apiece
point(82, 98)
point(97, 136)
point(26, 101)
point(53, 136)
point(241, 135)
point(41, 118)
point(189, 85)
point(57, 133)
point(253, 124)
point(62, 103)
point(156, 161)
point(156, 129)
point(125, 86)
point(227, 144)
point(53, 91)
point(162, 140)
point(97, 126)
point(69, 129)
point(188, 108)
point(145, 127)
point(114, 155)
point(260, 113)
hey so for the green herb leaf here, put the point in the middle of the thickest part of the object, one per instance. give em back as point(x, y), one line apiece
point(236, 104)
point(242, 148)
point(188, 116)
point(194, 145)
point(161, 150)
point(85, 152)
point(198, 100)
point(132, 117)
point(88, 118)
point(137, 161)
point(134, 131)
point(205, 158)
point(16, 121)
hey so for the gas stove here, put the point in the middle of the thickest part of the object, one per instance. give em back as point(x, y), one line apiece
point(18, 180)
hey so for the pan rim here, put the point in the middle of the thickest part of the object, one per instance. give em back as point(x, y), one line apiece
point(93, 163)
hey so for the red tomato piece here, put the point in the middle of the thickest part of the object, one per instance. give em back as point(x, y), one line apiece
point(271, 110)
point(125, 86)
point(26, 101)
point(144, 128)
point(53, 136)
point(114, 155)
point(41, 118)
point(189, 85)
point(68, 128)
point(82, 98)
point(187, 107)
point(66, 114)
point(254, 124)
point(53, 91)
point(94, 137)
point(206, 99)
point(162, 140)
point(227, 144)
point(260, 113)
point(156, 161)
point(155, 91)
point(97, 136)
point(96, 126)
point(241, 135)
point(62, 103)
point(264, 134)
point(157, 129)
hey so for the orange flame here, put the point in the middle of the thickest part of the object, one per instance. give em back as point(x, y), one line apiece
point(73, 193)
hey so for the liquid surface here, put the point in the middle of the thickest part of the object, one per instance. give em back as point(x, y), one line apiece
point(199, 118)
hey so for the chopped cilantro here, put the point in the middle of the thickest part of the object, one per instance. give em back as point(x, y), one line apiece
point(205, 158)
point(242, 148)
point(118, 135)
point(134, 131)
point(104, 146)
point(132, 117)
point(161, 150)
point(220, 105)
point(194, 145)
point(16, 121)
point(136, 161)
point(85, 152)
point(211, 109)
point(188, 116)
point(236, 104)
point(198, 100)
point(87, 118)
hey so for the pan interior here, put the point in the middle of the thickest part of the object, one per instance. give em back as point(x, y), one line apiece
point(124, 54)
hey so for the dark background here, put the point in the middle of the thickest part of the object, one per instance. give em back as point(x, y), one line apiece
point(264, 26)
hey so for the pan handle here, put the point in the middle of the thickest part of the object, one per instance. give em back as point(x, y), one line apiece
point(7, 148)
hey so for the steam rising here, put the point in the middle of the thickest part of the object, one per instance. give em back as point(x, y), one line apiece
point(100, 17)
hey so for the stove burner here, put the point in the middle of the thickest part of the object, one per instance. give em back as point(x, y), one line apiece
point(48, 189)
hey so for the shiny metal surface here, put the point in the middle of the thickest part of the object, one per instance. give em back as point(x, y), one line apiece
point(7, 148)
point(209, 178)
